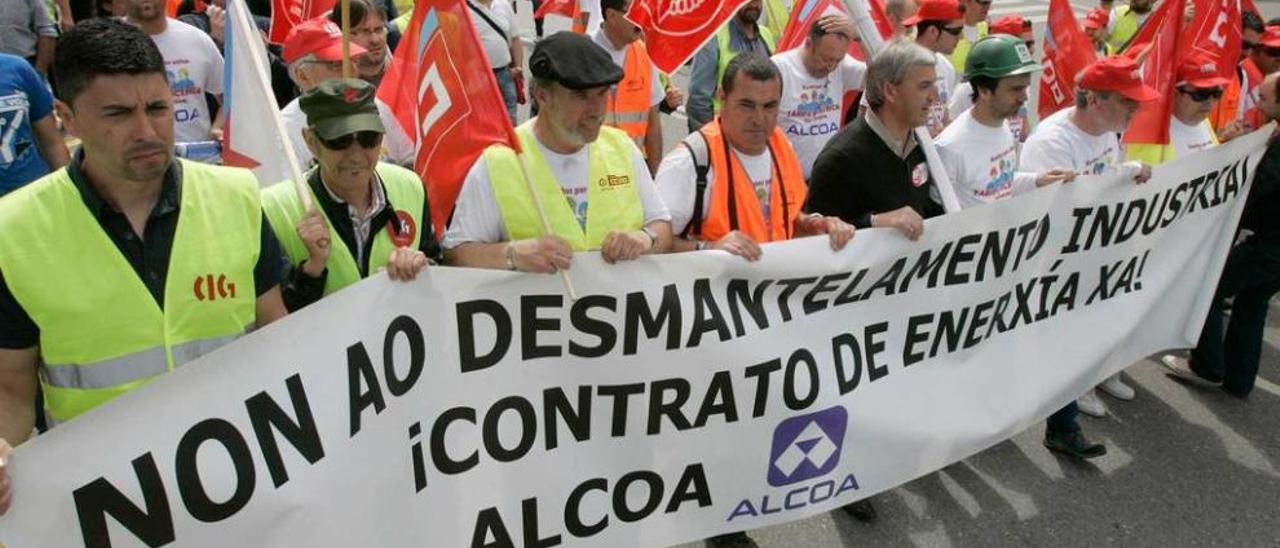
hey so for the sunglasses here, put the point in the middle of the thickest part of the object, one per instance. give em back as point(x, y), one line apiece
point(367, 139)
point(1201, 95)
point(1271, 52)
point(955, 31)
point(982, 3)
point(1245, 44)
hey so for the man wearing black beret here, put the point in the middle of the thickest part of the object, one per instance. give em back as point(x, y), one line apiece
point(591, 181)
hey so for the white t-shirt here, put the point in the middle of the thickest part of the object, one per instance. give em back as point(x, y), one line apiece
point(477, 218)
point(1187, 140)
point(1059, 143)
point(677, 181)
point(658, 94)
point(496, 48)
point(396, 147)
point(194, 66)
point(962, 100)
point(946, 84)
point(982, 161)
point(812, 108)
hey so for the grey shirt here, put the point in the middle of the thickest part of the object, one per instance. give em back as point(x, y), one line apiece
point(22, 22)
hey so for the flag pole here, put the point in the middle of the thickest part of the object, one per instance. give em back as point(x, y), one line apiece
point(872, 43)
point(546, 223)
point(346, 39)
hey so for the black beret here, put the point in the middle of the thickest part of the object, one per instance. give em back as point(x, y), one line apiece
point(574, 61)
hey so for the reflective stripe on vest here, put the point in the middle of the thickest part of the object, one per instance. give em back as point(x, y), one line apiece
point(629, 102)
point(1126, 26)
point(736, 207)
point(76, 276)
point(727, 54)
point(405, 193)
point(613, 201)
point(963, 46)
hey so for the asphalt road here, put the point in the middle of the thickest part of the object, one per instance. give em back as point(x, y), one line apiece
point(1185, 467)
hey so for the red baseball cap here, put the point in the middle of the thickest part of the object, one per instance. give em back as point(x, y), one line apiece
point(1013, 25)
point(1200, 70)
point(1271, 38)
point(936, 10)
point(1096, 19)
point(319, 37)
point(1118, 74)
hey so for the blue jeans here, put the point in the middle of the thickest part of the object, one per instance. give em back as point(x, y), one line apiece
point(1252, 276)
point(507, 85)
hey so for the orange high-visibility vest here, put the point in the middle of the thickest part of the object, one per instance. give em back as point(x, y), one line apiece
point(1227, 109)
point(734, 205)
point(629, 103)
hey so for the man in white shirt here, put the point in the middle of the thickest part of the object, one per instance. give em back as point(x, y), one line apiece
point(1198, 88)
point(194, 66)
point(979, 152)
point(496, 221)
point(1084, 139)
point(313, 51)
point(939, 24)
point(816, 78)
point(962, 99)
point(494, 22)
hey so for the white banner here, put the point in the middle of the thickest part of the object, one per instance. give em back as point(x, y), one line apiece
point(679, 397)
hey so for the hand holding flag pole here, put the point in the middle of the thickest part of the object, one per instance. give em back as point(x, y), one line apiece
point(346, 39)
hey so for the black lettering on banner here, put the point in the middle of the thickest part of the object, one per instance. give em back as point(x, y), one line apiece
point(849, 294)
point(706, 315)
point(529, 508)
point(813, 301)
point(417, 355)
point(950, 328)
point(99, 498)
point(762, 371)
point(489, 523)
point(889, 280)
point(419, 461)
point(753, 302)
point(789, 286)
point(439, 452)
point(692, 486)
point(654, 483)
point(528, 429)
point(620, 393)
point(873, 347)
point(659, 406)
point(980, 320)
point(793, 400)
point(927, 264)
point(639, 315)
point(531, 323)
point(961, 256)
point(469, 357)
point(1081, 215)
point(191, 486)
point(847, 381)
point(602, 330)
point(718, 400)
point(363, 388)
point(573, 509)
point(915, 335)
point(555, 404)
point(995, 255)
point(267, 417)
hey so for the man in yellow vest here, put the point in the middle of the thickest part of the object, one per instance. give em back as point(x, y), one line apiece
point(736, 183)
point(635, 103)
point(368, 216)
point(590, 180)
point(127, 263)
point(975, 28)
point(1125, 21)
point(741, 34)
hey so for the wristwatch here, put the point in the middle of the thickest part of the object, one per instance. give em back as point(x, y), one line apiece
point(510, 253)
point(653, 236)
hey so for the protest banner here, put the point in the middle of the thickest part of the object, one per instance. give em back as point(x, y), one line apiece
point(679, 397)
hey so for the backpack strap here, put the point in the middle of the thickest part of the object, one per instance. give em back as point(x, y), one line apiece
point(696, 144)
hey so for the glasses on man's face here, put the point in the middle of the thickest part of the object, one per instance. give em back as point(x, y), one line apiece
point(954, 31)
point(1271, 52)
point(1201, 95)
point(1245, 44)
point(367, 139)
point(983, 3)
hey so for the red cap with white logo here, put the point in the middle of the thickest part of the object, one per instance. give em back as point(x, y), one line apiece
point(1200, 70)
point(319, 37)
point(1119, 74)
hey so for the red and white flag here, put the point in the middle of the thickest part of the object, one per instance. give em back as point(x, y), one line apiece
point(446, 99)
point(1067, 51)
point(285, 14)
point(248, 141)
point(1159, 54)
point(674, 30)
point(1216, 31)
point(807, 12)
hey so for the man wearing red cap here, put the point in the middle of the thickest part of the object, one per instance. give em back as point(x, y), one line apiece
point(1095, 27)
point(1198, 87)
point(962, 99)
point(1084, 139)
point(939, 24)
point(313, 51)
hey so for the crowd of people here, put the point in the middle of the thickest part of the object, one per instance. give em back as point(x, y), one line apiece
point(781, 145)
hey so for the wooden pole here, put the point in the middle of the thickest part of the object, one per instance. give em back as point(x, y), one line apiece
point(546, 223)
point(346, 39)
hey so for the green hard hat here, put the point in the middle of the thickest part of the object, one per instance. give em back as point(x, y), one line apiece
point(998, 56)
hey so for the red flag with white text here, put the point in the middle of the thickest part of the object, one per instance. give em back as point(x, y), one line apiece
point(1159, 60)
point(1216, 31)
point(446, 99)
point(1067, 51)
point(286, 14)
point(674, 30)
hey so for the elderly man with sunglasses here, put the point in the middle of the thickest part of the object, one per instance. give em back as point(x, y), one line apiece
point(939, 24)
point(367, 216)
point(1199, 85)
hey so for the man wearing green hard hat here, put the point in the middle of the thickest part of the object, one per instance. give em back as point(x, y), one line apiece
point(978, 150)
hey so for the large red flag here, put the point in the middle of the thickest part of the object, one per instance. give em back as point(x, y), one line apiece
point(674, 30)
point(1067, 51)
point(285, 14)
point(445, 98)
point(1216, 31)
point(1159, 59)
point(805, 13)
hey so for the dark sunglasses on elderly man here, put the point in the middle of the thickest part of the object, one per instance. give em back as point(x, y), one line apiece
point(367, 139)
point(954, 31)
point(1202, 95)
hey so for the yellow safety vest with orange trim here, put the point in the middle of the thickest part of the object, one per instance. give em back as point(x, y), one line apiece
point(733, 201)
point(629, 104)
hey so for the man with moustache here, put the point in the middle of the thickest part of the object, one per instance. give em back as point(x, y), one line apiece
point(101, 262)
point(193, 64)
point(1125, 21)
point(741, 34)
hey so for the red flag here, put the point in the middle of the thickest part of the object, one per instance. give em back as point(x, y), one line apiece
point(1248, 5)
point(1067, 51)
point(445, 98)
point(567, 8)
point(804, 14)
point(675, 29)
point(1160, 56)
point(1216, 31)
point(285, 14)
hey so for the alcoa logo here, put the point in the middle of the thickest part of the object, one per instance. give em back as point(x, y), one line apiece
point(208, 288)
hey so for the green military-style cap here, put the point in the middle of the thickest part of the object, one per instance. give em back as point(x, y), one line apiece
point(341, 106)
